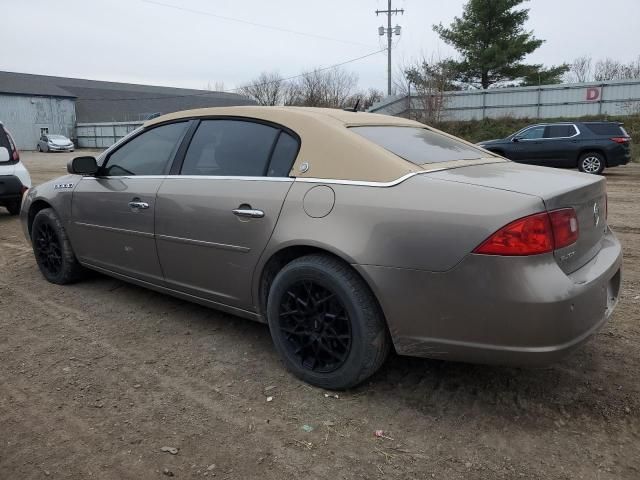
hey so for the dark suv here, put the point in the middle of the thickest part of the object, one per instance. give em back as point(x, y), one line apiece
point(590, 146)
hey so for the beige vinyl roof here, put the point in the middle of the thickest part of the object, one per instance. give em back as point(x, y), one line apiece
point(327, 146)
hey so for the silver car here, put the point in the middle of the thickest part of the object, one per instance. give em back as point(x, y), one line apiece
point(54, 143)
point(348, 233)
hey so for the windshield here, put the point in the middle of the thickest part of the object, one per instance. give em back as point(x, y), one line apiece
point(57, 137)
point(420, 145)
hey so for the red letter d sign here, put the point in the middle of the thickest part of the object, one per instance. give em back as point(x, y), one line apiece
point(593, 93)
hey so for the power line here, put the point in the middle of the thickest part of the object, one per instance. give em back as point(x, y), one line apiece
point(200, 94)
point(254, 24)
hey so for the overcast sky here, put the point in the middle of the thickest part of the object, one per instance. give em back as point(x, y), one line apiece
point(142, 42)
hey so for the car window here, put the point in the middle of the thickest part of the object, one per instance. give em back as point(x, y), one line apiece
point(609, 129)
point(532, 133)
point(230, 148)
point(419, 145)
point(283, 156)
point(559, 131)
point(149, 153)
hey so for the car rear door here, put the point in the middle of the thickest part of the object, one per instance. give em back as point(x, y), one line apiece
point(216, 215)
point(113, 212)
point(559, 146)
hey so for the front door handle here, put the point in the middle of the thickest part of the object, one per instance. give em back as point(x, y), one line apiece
point(138, 205)
point(248, 213)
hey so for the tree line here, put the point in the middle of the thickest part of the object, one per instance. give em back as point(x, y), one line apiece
point(491, 41)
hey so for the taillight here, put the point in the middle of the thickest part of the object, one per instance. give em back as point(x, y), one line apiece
point(528, 236)
point(533, 235)
point(564, 223)
point(620, 139)
point(16, 154)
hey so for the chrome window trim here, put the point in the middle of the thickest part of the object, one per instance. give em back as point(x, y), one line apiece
point(577, 130)
point(191, 177)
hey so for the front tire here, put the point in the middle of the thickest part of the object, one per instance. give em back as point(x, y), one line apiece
point(52, 249)
point(39, 148)
point(325, 323)
point(591, 162)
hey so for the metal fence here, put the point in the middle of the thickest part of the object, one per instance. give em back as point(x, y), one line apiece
point(103, 135)
point(614, 98)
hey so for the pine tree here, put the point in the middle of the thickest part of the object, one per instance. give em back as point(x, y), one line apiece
point(492, 43)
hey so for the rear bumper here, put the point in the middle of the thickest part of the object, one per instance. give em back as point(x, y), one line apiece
point(11, 188)
point(620, 155)
point(498, 310)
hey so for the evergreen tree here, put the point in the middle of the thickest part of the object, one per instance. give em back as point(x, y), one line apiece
point(492, 43)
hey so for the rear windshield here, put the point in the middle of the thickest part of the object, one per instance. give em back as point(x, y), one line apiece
point(606, 129)
point(419, 145)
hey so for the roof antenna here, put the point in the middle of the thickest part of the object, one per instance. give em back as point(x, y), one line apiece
point(354, 108)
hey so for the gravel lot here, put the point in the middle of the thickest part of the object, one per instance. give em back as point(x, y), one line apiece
point(97, 377)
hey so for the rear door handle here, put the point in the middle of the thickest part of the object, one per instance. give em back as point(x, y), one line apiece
point(248, 213)
point(138, 205)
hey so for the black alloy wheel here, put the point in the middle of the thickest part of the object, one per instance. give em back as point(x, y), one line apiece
point(325, 322)
point(52, 249)
point(48, 249)
point(316, 326)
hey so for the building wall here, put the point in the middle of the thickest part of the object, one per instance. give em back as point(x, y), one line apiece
point(24, 116)
point(546, 101)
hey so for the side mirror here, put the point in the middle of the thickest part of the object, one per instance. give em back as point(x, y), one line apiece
point(4, 154)
point(83, 166)
point(515, 139)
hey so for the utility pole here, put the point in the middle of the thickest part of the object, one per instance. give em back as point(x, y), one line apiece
point(389, 31)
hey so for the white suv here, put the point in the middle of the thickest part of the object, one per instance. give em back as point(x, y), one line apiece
point(14, 177)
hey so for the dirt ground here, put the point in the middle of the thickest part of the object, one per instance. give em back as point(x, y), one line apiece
point(97, 377)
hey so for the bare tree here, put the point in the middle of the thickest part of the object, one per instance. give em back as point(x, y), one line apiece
point(322, 88)
point(608, 69)
point(430, 79)
point(580, 70)
point(364, 99)
point(267, 89)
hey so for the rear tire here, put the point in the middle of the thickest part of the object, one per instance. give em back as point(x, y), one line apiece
point(325, 323)
point(591, 162)
point(13, 207)
point(52, 249)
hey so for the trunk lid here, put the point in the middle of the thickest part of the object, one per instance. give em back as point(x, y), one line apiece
point(585, 193)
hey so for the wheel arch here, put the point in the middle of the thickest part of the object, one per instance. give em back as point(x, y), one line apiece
point(34, 208)
point(286, 254)
point(586, 150)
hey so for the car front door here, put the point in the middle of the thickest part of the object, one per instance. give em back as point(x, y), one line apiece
point(216, 215)
point(525, 147)
point(112, 214)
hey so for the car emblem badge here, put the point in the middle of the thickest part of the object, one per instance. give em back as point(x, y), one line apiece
point(596, 214)
point(304, 167)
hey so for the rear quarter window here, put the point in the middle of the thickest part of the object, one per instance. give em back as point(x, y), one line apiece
point(610, 129)
point(419, 145)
